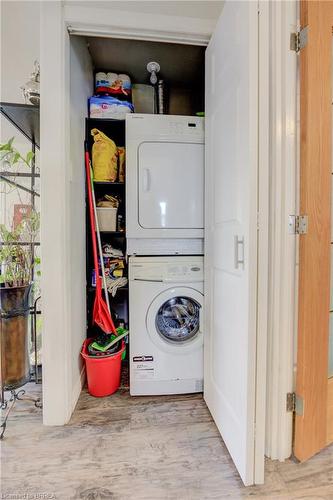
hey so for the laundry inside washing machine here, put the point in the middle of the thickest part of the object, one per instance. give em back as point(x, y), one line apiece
point(177, 320)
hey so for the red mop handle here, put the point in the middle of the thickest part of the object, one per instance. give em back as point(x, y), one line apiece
point(92, 223)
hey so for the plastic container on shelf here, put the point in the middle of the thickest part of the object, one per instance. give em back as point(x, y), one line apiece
point(144, 98)
point(107, 218)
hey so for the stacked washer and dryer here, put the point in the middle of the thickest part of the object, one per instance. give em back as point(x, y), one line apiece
point(165, 225)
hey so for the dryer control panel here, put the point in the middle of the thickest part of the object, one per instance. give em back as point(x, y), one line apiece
point(165, 127)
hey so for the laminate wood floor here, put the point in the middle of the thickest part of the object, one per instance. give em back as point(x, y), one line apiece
point(148, 448)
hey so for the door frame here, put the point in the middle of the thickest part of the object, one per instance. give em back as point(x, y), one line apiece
point(284, 158)
point(59, 361)
point(312, 381)
point(61, 389)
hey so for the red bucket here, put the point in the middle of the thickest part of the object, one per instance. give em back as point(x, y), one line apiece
point(103, 372)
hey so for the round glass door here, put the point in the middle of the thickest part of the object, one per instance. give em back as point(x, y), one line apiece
point(177, 320)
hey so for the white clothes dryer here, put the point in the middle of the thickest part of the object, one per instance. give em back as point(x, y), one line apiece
point(165, 313)
point(164, 184)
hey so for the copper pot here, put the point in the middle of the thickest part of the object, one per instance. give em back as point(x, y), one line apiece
point(14, 348)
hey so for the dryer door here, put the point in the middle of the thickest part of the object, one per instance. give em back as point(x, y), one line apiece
point(170, 185)
point(174, 320)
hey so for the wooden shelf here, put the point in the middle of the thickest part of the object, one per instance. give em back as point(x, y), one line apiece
point(108, 183)
point(106, 120)
point(118, 234)
point(92, 289)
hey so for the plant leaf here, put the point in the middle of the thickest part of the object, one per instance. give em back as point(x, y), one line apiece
point(29, 157)
point(16, 158)
point(5, 147)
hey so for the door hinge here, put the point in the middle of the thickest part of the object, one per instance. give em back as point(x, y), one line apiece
point(298, 224)
point(299, 39)
point(294, 403)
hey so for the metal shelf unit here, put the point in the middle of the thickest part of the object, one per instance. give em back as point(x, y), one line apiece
point(25, 118)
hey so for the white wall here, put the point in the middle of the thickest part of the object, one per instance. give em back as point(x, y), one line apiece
point(55, 216)
point(200, 9)
point(81, 87)
point(66, 84)
point(19, 46)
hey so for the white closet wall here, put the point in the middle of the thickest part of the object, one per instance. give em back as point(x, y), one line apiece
point(81, 88)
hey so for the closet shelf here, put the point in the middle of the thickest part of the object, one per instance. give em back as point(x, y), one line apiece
point(92, 289)
point(106, 120)
point(108, 183)
point(119, 234)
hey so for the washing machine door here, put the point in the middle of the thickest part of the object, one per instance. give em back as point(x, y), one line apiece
point(174, 319)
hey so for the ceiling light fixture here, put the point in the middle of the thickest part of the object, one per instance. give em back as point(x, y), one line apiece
point(153, 68)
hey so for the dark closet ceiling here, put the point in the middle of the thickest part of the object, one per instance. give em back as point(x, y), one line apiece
point(181, 65)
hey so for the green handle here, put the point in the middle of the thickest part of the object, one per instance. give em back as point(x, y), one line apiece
point(114, 341)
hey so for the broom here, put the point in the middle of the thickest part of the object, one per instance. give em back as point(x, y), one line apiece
point(101, 310)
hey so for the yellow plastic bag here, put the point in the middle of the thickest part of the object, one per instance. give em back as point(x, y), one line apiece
point(104, 157)
point(121, 163)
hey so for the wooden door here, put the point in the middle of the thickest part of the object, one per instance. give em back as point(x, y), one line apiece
point(311, 430)
point(231, 237)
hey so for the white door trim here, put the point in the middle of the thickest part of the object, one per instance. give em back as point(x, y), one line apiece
point(263, 236)
point(129, 34)
point(282, 262)
point(55, 237)
point(60, 390)
point(107, 22)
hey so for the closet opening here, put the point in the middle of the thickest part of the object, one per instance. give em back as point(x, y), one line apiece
point(176, 89)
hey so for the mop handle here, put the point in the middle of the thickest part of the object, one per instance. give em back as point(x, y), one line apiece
point(92, 220)
point(100, 251)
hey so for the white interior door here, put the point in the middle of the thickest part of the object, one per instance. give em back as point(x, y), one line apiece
point(231, 239)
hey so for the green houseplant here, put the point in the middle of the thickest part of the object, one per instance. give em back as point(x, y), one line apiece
point(16, 271)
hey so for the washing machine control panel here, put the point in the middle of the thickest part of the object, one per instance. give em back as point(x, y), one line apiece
point(166, 271)
point(188, 272)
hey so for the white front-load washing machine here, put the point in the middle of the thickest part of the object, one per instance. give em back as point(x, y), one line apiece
point(165, 313)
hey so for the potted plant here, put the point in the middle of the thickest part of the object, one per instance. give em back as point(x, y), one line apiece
point(16, 271)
